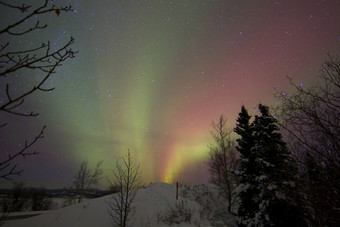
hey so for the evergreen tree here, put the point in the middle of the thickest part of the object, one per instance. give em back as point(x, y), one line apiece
point(276, 176)
point(247, 188)
point(269, 174)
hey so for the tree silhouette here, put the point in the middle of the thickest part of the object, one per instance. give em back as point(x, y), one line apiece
point(311, 120)
point(222, 160)
point(247, 188)
point(85, 179)
point(42, 60)
point(268, 188)
point(127, 177)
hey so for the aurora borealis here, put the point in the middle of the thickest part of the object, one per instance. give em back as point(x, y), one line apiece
point(151, 76)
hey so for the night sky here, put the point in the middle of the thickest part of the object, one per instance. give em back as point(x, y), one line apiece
point(151, 76)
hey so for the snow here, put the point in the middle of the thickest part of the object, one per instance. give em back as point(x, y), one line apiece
point(261, 178)
point(153, 205)
point(271, 187)
point(242, 188)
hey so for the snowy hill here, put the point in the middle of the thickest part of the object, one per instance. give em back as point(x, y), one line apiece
point(155, 205)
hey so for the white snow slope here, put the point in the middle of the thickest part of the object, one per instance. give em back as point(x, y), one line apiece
point(153, 207)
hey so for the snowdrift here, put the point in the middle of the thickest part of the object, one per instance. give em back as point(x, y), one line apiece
point(155, 205)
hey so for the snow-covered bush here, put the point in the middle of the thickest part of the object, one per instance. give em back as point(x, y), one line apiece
point(213, 206)
point(181, 213)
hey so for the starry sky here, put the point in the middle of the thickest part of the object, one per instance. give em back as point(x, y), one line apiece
point(152, 75)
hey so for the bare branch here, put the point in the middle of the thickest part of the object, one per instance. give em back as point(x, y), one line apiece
point(37, 26)
point(40, 10)
point(43, 45)
point(11, 172)
point(22, 8)
point(63, 54)
point(4, 46)
point(222, 160)
point(5, 164)
point(40, 58)
point(311, 119)
point(85, 179)
point(32, 61)
point(127, 177)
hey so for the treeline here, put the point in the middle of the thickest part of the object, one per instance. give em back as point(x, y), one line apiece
point(283, 169)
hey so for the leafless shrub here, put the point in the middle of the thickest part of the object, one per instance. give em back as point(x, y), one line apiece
point(21, 198)
point(17, 199)
point(39, 199)
point(212, 204)
point(181, 213)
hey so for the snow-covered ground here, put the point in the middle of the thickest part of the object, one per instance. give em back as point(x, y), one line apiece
point(155, 205)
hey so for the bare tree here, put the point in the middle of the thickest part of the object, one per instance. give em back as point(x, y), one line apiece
point(126, 176)
point(311, 119)
point(42, 60)
point(222, 160)
point(85, 179)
